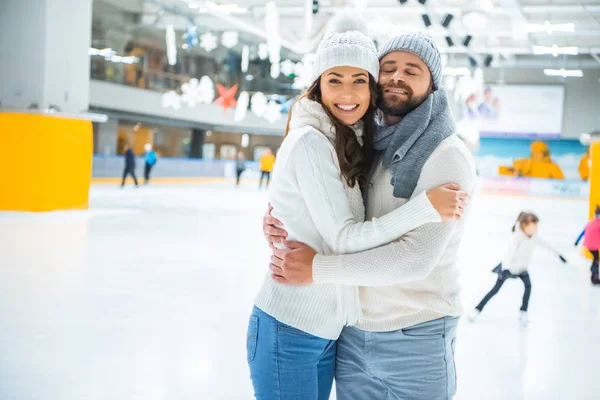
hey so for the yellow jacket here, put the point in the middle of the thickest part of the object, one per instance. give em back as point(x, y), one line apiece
point(267, 162)
point(584, 168)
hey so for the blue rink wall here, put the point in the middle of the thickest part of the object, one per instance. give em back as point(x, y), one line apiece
point(493, 152)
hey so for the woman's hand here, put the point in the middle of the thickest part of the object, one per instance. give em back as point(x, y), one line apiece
point(449, 201)
point(272, 233)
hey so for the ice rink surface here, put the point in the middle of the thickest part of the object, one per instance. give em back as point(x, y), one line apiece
point(147, 296)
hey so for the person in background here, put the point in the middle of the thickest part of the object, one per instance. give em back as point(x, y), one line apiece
point(129, 165)
point(240, 165)
point(592, 243)
point(516, 262)
point(150, 162)
point(584, 166)
point(267, 161)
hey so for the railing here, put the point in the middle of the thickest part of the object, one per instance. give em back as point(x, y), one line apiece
point(135, 75)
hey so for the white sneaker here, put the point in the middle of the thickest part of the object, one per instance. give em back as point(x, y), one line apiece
point(473, 315)
point(524, 318)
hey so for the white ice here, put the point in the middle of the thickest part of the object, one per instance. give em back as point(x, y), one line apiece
point(147, 295)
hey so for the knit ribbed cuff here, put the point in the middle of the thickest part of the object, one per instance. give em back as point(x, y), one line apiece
point(430, 210)
point(324, 268)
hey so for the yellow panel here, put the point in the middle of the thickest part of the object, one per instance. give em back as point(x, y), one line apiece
point(594, 184)
point(45, 162)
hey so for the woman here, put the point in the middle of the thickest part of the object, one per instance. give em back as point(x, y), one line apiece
point(316, 193)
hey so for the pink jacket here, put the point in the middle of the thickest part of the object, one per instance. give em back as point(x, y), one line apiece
point(592, 235)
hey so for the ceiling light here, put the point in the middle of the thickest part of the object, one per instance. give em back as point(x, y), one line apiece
point(555, 50)
point(460, 71)
point(447, 20)
point(226, 8)
point(564, 73)
point(467, 40)
point(549, 28)
point(487, 61)
point(426, 20)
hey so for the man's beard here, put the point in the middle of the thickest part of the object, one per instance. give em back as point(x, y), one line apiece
point(399, 108)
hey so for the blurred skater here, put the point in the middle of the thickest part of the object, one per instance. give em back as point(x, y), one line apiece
point(516, 262)
point(267, 161)
point(591, 242)
point(240, 165)
point(150, 162)
point(129, 165)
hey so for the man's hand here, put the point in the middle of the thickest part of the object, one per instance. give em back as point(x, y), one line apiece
point(272, 233)
point(293, 267)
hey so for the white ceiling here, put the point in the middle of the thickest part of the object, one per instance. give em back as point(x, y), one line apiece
point(501, 35)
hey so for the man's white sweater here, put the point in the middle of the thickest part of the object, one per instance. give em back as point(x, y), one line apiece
point(414, 279)
point(317, 207)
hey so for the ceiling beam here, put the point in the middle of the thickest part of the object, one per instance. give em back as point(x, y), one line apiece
point(561, 9)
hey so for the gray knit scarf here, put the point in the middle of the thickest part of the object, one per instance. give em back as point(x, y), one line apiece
point(405, 147)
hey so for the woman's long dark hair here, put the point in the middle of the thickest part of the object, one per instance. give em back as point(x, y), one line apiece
point(354, 159)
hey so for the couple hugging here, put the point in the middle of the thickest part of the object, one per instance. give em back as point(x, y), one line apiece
point(368, 199)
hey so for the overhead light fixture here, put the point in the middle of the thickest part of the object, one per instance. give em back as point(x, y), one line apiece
point(467, 40)
point(555, 50)
point(447, 20)
point(564, 73)
point(449, 41)
point(226, 8)
point(487, 61)
point(426, 20)
point(460, 71)
point(549, 28)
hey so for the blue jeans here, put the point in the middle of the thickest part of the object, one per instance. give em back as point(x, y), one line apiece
point(414, 363)
point(287, 363)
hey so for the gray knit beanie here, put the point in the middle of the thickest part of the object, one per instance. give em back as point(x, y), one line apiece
point(421, 45)
point(346, 44)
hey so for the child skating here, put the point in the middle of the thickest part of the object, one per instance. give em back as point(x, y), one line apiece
point(516, 262)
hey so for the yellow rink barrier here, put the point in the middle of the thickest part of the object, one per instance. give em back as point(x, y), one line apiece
point(45, 162)
point(594, 184)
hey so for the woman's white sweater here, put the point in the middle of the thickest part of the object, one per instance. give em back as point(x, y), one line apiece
point(317, 207)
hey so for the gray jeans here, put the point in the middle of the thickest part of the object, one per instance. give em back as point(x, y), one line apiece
point(414, 363)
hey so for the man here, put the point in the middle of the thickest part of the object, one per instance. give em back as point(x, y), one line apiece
point(404, 346)
point(129, 165)
point(240, 166)
point(267, 161)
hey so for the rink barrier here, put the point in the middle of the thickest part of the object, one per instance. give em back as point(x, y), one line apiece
point(112, 167)
point(45, 162)
point(537, 187)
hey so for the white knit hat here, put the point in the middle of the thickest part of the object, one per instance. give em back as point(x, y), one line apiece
point(346, 44)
